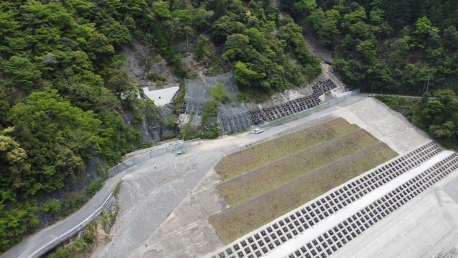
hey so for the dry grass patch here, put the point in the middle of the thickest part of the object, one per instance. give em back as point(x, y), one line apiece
point(261, 180)
point(267, 152)
point(240, 220)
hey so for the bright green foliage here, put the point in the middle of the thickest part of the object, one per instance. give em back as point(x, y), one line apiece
point(225, 27)
point(235, 45)
point(117, 34)
point(376, 16)
point(433, 110)
point(423, 26)
point(325, 24)
point(53, 205)
point(367, 49)
point(162, 9)
point(352, 71)
point(218, 94)
point(244, 75)
point(94, 187)
point(15, 221)
point(13, 163)
point(307, 5)
point(209, 126)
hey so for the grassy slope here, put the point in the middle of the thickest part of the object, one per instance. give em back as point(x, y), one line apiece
point(259, 181)
point(240, 220)
point(245, 160)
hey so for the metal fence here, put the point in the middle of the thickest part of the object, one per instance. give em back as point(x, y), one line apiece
point(307, 112)
point(157, 151)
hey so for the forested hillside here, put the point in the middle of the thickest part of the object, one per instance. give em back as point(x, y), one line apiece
point(59, 76)
point(62, 73)
point(387, 46)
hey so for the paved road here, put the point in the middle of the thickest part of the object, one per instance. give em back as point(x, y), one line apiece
point(39, 239)
point(206, 154)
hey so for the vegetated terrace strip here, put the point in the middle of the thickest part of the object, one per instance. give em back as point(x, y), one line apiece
point(266, 152)
point(242, 219)
point(261, 180)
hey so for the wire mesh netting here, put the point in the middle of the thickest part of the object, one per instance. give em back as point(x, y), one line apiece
point(196, 94)
point(233, 116)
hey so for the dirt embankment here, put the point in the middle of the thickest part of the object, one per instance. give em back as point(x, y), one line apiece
point(318, 50)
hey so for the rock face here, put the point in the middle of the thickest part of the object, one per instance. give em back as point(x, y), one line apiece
point(141, 62)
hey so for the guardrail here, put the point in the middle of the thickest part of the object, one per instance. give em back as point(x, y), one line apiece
point(56, 241)
point(112, 172)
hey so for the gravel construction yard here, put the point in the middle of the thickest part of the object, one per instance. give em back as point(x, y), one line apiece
point(170, 219)
point(248, 216)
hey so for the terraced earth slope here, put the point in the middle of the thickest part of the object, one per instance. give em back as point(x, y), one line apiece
point(267, 180)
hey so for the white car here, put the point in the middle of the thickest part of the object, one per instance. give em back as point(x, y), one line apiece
point(258, 130)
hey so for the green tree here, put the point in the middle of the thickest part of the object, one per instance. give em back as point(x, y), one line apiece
point(22, 72)
point(200, 49)
point(224, 27)
point(434, 40)
point(368, 49)
point(235, 44)
point(445, 131)
point(376, 16)
point(305, 5)
point(161, 9)
point(117, 34)
point(423, 26)
point(433, 112)
point(244, 75)
point(13, 164)
point(451, 37)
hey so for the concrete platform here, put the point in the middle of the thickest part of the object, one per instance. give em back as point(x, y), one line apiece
point(384, 124)
point(186, 231)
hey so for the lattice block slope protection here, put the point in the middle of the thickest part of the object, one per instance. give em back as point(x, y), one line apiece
point(297, 105)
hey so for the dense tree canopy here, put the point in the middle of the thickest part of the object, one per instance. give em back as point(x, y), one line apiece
point(386, 45)
point(59, 81)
